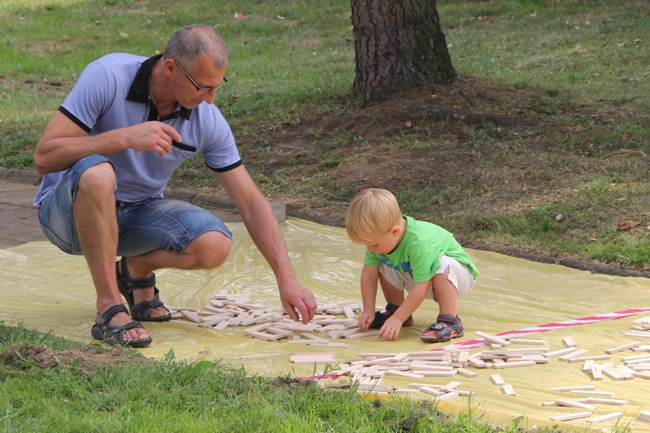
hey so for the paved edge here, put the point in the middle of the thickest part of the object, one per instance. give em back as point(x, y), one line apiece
point(281, 212)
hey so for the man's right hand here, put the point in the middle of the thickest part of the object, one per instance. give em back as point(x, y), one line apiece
point(151, 137)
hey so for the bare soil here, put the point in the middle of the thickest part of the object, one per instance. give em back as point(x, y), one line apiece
point(502, 149)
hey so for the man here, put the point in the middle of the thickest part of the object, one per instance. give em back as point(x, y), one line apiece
point(106, 157)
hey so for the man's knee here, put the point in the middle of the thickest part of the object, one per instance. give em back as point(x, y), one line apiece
point(211, 249)
point(99, 179)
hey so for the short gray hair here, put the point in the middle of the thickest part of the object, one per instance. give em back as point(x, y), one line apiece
point(189, 43)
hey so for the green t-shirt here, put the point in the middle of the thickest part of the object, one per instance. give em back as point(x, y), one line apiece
point(420, 249)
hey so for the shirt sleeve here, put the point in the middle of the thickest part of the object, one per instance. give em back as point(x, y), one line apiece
point(91, 96)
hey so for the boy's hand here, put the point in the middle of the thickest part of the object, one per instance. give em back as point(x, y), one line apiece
point(366, 319)
point(390, 330)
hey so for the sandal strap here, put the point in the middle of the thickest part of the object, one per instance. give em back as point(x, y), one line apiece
point(107, 315)
point(130, 284)
point(447, 318)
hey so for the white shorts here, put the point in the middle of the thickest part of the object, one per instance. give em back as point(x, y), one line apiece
point(459, 275)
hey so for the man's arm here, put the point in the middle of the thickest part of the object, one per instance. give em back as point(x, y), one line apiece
point(263, 227)
point(63, 143)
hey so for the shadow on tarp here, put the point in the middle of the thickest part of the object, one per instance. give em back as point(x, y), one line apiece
point(50, 291)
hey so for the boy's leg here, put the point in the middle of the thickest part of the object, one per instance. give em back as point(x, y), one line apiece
point(452, 280)
point(392, 294)
point(390, 280)
point(445, 293)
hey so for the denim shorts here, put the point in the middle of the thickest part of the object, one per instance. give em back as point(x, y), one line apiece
point(144, 226)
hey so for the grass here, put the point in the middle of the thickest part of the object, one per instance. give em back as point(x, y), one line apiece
point(137, 395)
point(581, 67)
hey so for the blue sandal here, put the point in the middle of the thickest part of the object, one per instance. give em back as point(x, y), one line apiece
point(445, 328)
point(142, 310)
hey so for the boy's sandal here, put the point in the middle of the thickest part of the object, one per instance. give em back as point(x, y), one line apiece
point(382, 317)
point(143, 309)
point(104, 331)
point(445, 328)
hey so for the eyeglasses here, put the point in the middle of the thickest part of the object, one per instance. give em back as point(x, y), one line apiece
point(196, 86)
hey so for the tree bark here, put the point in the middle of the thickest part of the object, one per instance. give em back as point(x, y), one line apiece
point(399, 45)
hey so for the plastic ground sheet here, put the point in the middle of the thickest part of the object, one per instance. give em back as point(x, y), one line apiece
point(47, 290)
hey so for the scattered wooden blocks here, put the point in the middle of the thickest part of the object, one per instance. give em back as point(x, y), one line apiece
point(607, 417)
point(571, 416)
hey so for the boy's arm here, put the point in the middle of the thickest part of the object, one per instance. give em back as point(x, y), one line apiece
point(393, 325)
point(413, 300)
point(369, 279)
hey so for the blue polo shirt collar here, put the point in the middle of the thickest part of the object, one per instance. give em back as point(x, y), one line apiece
point(139, 90)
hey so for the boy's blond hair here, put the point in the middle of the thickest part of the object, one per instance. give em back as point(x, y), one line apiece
point(371, 212)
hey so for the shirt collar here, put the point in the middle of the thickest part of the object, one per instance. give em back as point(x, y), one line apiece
point(139, 91)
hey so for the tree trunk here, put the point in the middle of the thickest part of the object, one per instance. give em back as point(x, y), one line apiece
point(399, 46)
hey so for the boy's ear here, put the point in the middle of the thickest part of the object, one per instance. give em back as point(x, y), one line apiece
point(395, 230)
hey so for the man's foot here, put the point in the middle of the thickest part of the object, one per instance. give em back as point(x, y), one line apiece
point(381, 317)
point(114, 334)
point(144, 310)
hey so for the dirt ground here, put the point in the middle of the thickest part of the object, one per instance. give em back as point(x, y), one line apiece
point(504, 148)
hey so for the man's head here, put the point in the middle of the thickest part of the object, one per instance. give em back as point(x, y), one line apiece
point(190, 43)
point(371, 214)
point(195, 62)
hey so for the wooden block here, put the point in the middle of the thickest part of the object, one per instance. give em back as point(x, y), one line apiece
point(614, 373)
point(448, 395)
point(571, 388)
point(404, 374)
point(405, 391)
point(607, 417)
point(611, 401)
point(492, 338)
point(191, 316)
point(430, 390)
point(569, 342)
point(309, 358)
point(511, 364)
point(508, 390)
point(527, 341)
point(644, 416)
point(587, 358)
point(601, 393)
point(435, 373)
point(596, 372)
point(467, 373)
point(450, 386)
point(497, 379)
point(573, 354)
point(265, 336)
point(642, 374)
point(571, 416)
point(573, 403)
point(356, 335)
point(560, 352)
point(221, 326)
point(623, 347)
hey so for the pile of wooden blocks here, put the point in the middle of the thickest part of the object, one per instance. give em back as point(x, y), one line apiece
point(332, 321)
point(337, 321)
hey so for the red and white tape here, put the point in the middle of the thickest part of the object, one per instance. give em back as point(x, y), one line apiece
point(550, 326)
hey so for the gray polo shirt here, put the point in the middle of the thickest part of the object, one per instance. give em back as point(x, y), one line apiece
point(112, 92)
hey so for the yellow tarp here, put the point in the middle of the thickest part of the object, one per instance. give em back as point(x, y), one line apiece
point(51, 291)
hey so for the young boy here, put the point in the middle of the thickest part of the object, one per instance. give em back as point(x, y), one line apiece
point(403, 253)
